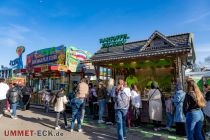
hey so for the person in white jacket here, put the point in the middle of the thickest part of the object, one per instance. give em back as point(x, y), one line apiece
point(60, 101)
point(3, 91)
point(136, 104)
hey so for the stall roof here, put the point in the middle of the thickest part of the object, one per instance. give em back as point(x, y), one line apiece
point(173, 44)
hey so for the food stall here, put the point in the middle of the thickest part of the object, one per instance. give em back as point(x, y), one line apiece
point(54, 67)
point(159, 58)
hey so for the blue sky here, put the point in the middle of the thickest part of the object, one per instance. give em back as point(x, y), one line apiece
point(38, 24)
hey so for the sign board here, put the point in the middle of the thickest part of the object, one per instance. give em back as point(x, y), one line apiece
point(113, 41)
point(62, 68)
point(44, 68)
point(73, 58)
point(18, 62)
point(53, 55)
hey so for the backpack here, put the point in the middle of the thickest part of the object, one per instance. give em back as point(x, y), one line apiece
point(122, 100)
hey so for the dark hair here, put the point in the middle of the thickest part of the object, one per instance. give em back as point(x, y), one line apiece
point(91, 85)
point(205, 85)
point(154, 85)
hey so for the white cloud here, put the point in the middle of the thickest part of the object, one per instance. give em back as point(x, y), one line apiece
point(7, 42)
point(202, 51)
point(12, 34)
point(197, 17)
point(5, 11)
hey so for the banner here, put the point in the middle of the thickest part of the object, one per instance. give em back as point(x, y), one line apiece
point(54, 55)
point(73, 58)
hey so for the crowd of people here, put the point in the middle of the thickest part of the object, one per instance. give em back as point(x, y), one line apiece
point(123, 104)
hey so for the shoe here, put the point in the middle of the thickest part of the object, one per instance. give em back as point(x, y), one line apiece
point(14, 117)
point(167, 128)
point(109, 123)
point(155, 129)
point(125, 137)
point(101, 121)
point(57, 128)
point(79, 130)
point(66, 126)
point(1, 115)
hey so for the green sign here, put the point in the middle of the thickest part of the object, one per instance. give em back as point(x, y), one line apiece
point(113, 41)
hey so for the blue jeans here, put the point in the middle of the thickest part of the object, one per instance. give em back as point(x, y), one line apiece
point(76, 105)
point(14, 108)
point(121, 123)
point(102, 105)
point(169, 119)
point(194, 120)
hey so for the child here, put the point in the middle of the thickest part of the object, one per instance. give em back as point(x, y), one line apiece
point(169, 112)
point(46, 97)
point(60, 101)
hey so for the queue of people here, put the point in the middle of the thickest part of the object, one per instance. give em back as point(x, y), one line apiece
point(124, 104)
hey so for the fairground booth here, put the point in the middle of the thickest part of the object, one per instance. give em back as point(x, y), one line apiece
point(160, 58)
point(55, 67)
point(15, 73)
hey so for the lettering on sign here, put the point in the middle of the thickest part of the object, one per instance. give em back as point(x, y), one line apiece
point(113, 41)
point(45, 59)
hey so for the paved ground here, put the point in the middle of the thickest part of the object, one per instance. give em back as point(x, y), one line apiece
point(37, 124)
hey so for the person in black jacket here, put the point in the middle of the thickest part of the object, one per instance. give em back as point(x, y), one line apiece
point(26, 92)
point(14, 96)
point(193, 103)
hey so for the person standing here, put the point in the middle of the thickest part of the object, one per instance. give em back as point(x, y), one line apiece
point(136, 105)
point(26, 92)
point(14, 96)
point(92, 98)
point(122, 101)
point(110, 102)
point(206, 110)
point(193, 103)
point(8, 107)
point(85, 101)
point(77, 104)
point(155, 106)
point(60, 102)
point(3, 91)
point(169, 112)
point(101, 96)
point(179, 117)
point(46, 97)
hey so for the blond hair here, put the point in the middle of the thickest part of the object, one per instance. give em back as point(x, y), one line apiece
point(192, 86)
point(110, 84)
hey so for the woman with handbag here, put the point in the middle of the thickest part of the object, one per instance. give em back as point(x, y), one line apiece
point(155, 106)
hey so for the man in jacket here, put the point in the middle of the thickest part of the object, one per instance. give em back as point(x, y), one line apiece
point(3, 91)
point(14, 96)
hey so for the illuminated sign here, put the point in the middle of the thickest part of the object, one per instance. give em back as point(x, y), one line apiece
point(113, 41)
point(45, 59)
